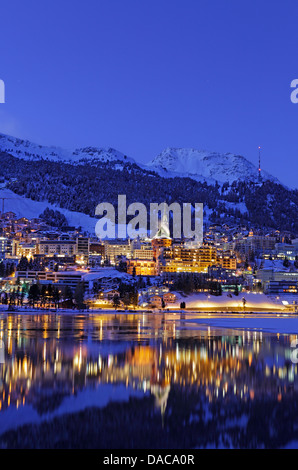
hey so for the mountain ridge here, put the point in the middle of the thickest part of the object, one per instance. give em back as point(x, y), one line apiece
point(81, 187)
point(200, 165)
point(28, 150)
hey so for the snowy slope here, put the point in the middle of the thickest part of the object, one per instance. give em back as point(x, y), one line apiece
point(168, 173)
point(25, 207)
point(29, 151)
point(200, 164)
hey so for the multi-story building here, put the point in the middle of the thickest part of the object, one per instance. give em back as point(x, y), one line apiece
point(228, 261)
point(255, 244)
point(283, 250)
point(57, 247)
point(3, 247)
point(157, 300)
point(109, 294)
point(281, 287)
point(116, 248)
point(26, 249)
point(141, 267)
point(83, 246)
point(144, 252)
point(269, 275)
point(97, 249)
point(65, 278)
point(180, 259)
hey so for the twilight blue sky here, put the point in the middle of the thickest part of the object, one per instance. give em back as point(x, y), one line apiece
point(142, 75)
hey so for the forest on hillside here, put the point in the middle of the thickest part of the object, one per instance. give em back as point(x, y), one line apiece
point(81, 187)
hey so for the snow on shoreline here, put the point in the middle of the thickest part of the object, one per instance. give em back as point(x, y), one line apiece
point(227, 300)
point(282, 324)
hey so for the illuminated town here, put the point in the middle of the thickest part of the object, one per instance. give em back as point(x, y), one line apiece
point(236, 267)
point(148, 229)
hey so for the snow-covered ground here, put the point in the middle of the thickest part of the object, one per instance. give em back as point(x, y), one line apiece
point(276, 265)
point(203, 300)
point(241, 206)
point(283, 324)
point(24, 207)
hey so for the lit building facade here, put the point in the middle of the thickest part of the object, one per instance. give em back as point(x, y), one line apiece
point(58, 247)
point(3, 247)
point(180, 259)
point(141, 267)
point(117, 248)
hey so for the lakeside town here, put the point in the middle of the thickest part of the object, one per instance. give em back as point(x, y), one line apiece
point(237, 268)
point(148, 228)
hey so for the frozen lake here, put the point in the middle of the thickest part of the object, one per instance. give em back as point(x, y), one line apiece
point(148, 380)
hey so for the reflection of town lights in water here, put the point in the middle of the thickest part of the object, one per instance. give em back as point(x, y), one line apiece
point(213, 364)
point(177, 352)
point(203, 354)
point(100, 331)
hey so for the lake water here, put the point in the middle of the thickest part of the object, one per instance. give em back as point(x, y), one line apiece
point(144, 381)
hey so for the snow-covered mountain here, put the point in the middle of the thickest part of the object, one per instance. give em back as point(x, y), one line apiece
point(201, 165)
point(198, 165)
point(29, 151)
point(43, 178)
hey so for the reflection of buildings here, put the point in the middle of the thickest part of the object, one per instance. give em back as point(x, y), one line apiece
point(43, 366)
point(161, 393)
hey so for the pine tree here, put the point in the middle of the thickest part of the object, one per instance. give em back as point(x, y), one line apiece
point(116, 301)
point(34, 294)
point(79, 295)
point(286, 263)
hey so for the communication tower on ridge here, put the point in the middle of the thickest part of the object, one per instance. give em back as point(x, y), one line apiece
point(259, 175)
